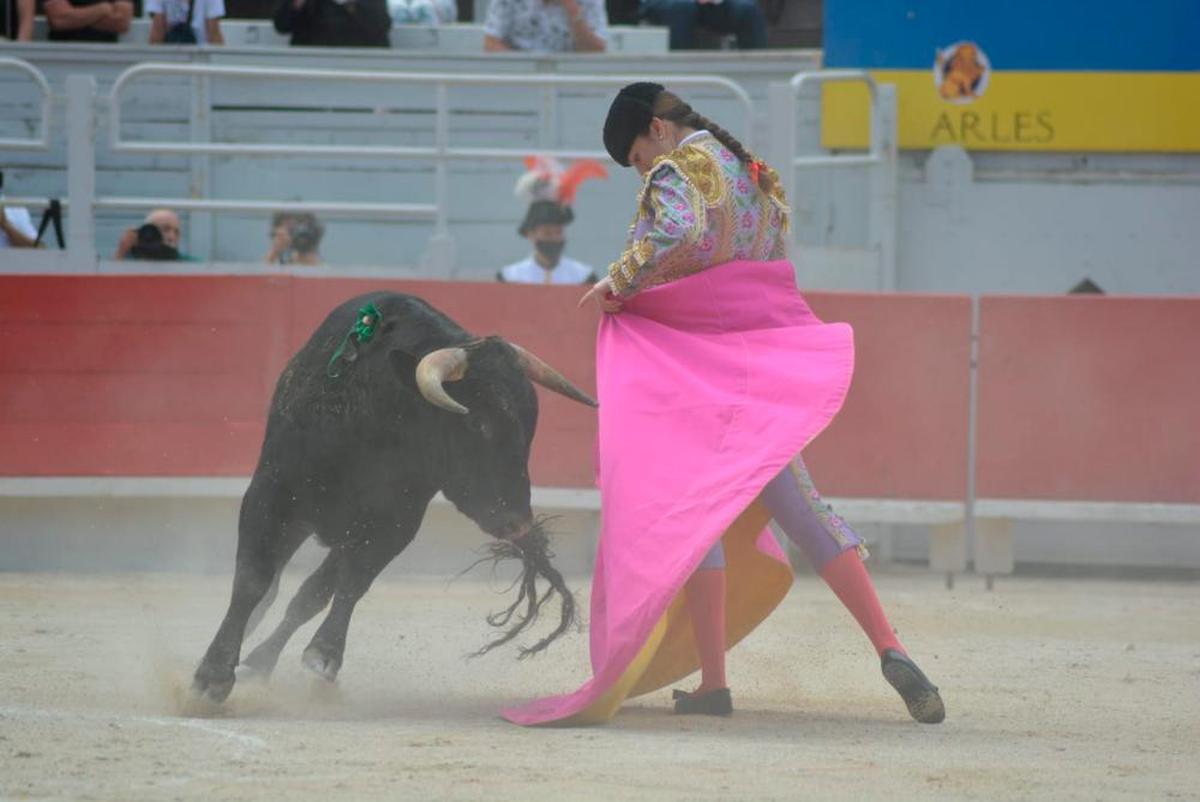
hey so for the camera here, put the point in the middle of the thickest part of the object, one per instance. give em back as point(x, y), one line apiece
point(150, 246)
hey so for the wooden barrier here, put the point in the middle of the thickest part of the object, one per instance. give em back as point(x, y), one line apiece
point(136, 376)
point(1090, 399)
point(903, 431)
point(1086, 407)
point(1088, 410)
point(172, 376)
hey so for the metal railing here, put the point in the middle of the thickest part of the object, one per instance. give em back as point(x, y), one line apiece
point(440, 253)
point(880, 158)
point(42, 142)
point(81, 122)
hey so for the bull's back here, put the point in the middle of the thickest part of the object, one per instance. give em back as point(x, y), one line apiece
point(323, 398)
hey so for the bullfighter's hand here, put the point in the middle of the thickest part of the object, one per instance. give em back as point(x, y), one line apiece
point(602, 293)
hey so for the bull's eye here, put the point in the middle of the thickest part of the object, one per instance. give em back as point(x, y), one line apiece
point(485, 429)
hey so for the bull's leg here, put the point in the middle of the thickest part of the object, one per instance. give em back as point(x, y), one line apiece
point(311, 599)
point(265, 543)
point(357, 569)
point(260, 609)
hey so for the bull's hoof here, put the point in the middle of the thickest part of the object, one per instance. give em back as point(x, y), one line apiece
point(212, 686)
point(323, 665)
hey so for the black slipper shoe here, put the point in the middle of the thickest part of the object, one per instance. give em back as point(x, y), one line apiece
point(921, 695)
point(713, 703)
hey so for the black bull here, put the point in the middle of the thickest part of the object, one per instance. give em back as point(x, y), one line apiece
point(355, 449)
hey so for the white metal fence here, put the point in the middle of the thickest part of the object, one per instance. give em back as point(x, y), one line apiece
point(84, 104)
point(879, 256)
point(42, 141)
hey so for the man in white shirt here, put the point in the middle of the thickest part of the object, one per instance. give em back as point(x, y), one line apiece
point(545, 227)
point(166, 15)
point(16, 228)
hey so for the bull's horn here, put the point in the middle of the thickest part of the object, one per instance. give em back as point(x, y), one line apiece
point(538, 371)
point(443, 365)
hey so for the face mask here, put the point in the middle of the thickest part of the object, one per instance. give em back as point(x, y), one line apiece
point(550, 249)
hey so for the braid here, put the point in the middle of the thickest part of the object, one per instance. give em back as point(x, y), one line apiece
point(699, 121)
point(680, 113)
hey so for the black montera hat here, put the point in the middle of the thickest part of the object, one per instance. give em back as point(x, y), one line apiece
point(628, 116)
point(545, 212)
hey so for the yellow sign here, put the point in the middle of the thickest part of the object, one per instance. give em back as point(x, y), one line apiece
point(970, 105)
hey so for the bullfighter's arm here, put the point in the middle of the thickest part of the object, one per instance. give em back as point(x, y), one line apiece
point(665, 242)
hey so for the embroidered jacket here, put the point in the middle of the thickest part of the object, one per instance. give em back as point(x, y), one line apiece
point(699, 207)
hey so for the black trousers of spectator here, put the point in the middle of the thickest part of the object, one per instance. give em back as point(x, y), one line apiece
point(742, 18)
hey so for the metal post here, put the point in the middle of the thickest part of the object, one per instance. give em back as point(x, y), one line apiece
point(201, 233)
point(884, 186)
point(439, 254)
point(81, 172)
point(969, 532)
point(781, 123)
point(548, 125)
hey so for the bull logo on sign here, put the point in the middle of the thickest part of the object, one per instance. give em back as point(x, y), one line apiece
point(961, 72)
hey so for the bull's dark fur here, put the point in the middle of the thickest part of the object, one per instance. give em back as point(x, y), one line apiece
point(356, 458)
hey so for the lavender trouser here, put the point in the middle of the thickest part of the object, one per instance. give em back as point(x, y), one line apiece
point(807, 521)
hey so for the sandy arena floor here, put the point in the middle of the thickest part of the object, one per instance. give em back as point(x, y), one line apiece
point(1056, 690)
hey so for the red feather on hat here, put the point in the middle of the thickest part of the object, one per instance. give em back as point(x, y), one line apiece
point(576, 174)
point(547, 180)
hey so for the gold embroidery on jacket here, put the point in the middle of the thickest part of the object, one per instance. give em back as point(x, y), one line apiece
point(672, 247)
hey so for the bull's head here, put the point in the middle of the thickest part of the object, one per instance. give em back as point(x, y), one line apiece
point(488, 478)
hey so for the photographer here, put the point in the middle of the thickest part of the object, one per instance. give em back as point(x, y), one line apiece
point(335, 23)
point(295, 239)
point(156, 240)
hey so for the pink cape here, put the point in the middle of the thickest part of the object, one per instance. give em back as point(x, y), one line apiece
point(708, 387)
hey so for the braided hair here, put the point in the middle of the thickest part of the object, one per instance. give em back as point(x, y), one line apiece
point(670, 106)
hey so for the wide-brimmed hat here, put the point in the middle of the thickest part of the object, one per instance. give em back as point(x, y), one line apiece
point(550, 189)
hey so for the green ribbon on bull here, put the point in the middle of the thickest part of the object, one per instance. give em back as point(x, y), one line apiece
point(362, 331)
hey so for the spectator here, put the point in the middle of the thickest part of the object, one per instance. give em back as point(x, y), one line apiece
point(335, 23)
point(87, 20)
point(156, 240)
point(546, 26)
point(186, 22)
point(295, 239)
point(550, 191)
point(423, 12)
point(16, 20)
point(741, 17)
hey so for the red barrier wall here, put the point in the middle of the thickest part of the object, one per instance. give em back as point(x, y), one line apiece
point(172, 375)
point(903, 430)
point(137, 376)
point(1089, 398)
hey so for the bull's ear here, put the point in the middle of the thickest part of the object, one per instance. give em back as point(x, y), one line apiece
point(405, 365)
